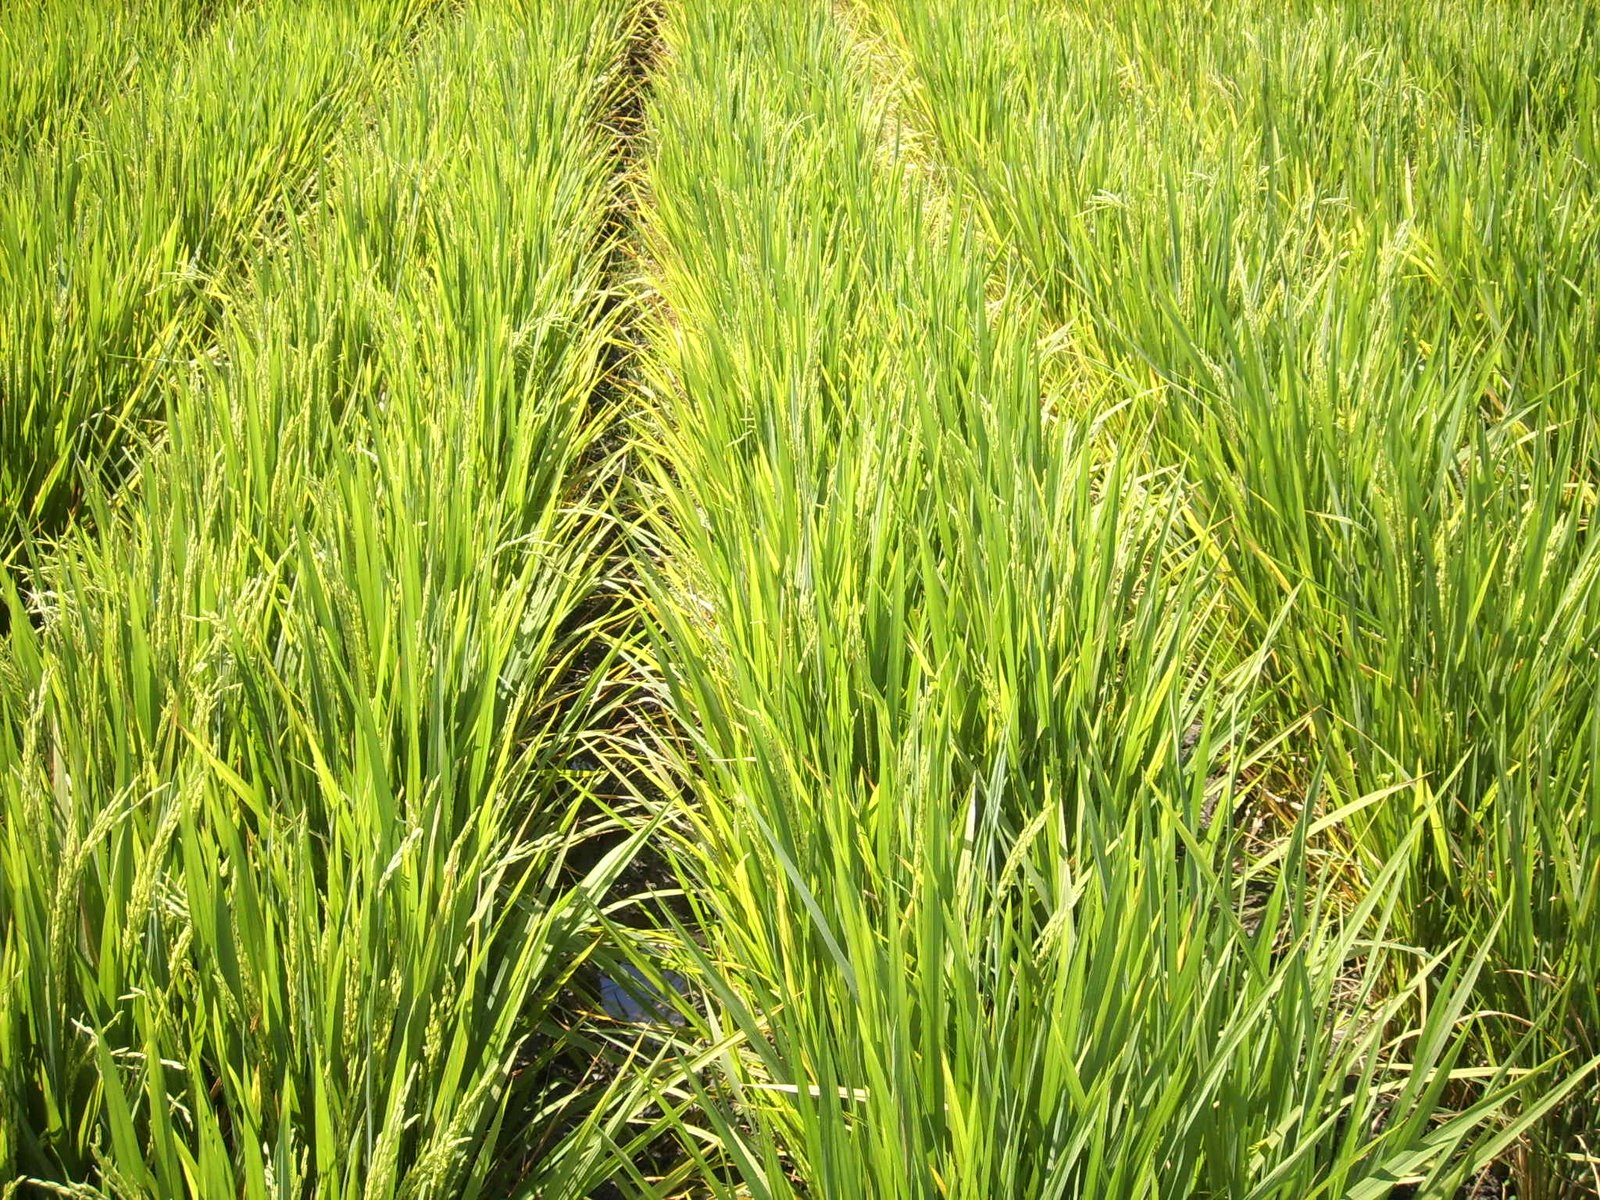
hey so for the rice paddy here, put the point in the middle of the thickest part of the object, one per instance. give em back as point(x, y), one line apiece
point(800, 598)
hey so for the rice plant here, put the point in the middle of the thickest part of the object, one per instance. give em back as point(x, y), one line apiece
point(118, 241)
point(290, 775)
point(765, 598)
point(1345, 260)
point(58, 61)
point(965, 731)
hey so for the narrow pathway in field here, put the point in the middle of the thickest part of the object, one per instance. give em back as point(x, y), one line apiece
point(313, 716)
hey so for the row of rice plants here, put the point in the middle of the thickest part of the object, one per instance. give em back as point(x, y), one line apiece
point(59, 61)
point(1344, 261)
point(963, 732)
point(298, 735)
point(120, 239)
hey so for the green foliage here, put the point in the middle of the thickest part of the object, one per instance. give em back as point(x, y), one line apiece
point(1111, 666)
point(1344, 258)
point(120, 241)
point(969, 712)
point(288, 794)
point(59, 61)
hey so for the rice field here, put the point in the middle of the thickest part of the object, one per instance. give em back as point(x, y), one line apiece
point(800, 598)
